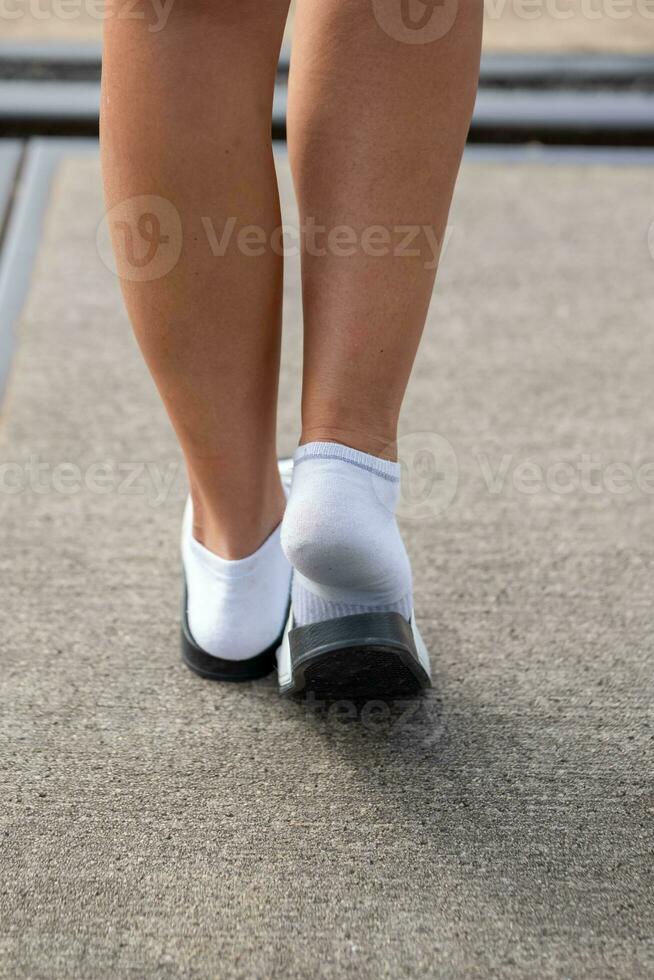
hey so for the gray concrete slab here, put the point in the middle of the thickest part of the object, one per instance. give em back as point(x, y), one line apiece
point(158, 826)
point(24, 195)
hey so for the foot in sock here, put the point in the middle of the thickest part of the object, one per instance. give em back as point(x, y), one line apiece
point(235, 609)
point(340, 535)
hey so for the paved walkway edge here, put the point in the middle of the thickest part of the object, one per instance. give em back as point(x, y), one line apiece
point(21, 241)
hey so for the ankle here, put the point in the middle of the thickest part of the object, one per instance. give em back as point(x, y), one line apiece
point(234, 528)
point(380, 441)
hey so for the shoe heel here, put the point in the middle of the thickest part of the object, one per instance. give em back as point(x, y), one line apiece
point(370, 655)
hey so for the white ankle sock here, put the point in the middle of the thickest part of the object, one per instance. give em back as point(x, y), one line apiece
point(236, 609)
point(340, 534)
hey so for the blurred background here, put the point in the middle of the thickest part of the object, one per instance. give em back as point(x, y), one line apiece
point(518, 26)
point(554, 71)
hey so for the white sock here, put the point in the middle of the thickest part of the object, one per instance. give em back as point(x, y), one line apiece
point(236, 609)
point(340, 534)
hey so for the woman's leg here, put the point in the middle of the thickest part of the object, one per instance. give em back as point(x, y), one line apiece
point(186, 117)
point(186, 129)
point(376, 129)
point(378, 116)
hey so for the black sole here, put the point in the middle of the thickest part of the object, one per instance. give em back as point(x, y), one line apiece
point(217, 669)
point(368, 656)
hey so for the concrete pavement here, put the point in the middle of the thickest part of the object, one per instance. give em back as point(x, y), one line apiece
point(156, 826)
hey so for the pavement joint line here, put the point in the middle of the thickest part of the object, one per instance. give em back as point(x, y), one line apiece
point(22, 237)
point(11, 155)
